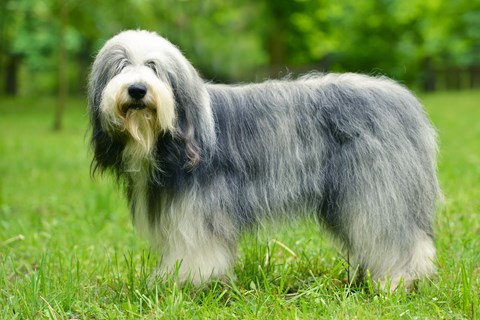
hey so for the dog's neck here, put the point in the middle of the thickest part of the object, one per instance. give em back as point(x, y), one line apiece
point(136, 159)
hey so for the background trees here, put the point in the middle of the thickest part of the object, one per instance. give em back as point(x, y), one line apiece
point(46, 46)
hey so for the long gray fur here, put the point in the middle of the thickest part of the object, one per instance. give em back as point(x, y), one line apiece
point(357, 152)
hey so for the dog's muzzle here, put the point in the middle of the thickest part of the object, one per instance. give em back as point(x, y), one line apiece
point(136, 92)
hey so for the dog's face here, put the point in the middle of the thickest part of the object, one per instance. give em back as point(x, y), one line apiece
point(130, 89)
point(142, 87)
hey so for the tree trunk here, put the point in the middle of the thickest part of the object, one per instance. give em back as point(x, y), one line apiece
point(277, 47)
point(474, 77)
point(11, 75)
point(62, 67)
point(83, 65)
point(429, 78)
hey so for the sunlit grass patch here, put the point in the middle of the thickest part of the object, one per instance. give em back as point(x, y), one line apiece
point(68, 249)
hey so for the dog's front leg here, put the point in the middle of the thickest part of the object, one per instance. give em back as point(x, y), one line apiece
point(196, 251)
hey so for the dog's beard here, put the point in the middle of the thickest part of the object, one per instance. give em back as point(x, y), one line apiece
point(142, 125)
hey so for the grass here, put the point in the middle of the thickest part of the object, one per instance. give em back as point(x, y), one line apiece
point(68, 250)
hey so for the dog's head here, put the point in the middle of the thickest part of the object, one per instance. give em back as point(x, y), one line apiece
point(141, 87)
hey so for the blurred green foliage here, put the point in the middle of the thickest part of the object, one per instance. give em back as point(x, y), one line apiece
point(419, 42)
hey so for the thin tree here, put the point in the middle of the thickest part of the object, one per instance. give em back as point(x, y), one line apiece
point(62, 66)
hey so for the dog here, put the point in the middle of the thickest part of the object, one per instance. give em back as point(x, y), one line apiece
point(203, 162)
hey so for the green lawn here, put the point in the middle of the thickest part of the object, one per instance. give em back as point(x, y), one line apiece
point(68, 250)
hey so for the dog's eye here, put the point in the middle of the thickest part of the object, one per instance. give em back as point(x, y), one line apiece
point(122, 65)
point(152, 66)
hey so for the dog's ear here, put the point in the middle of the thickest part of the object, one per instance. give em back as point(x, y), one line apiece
point(106, 150)
point(107, 153)
point(107, 64)
point(187, 90)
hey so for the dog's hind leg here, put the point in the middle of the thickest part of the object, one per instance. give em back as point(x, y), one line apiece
point(382, 208)
point(391, 261)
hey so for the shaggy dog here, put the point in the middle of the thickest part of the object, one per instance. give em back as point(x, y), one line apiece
point(201, 162)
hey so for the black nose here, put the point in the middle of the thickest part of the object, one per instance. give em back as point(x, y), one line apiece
point(137, 91)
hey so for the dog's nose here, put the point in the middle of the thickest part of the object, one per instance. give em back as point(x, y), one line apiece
point(137, 91)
